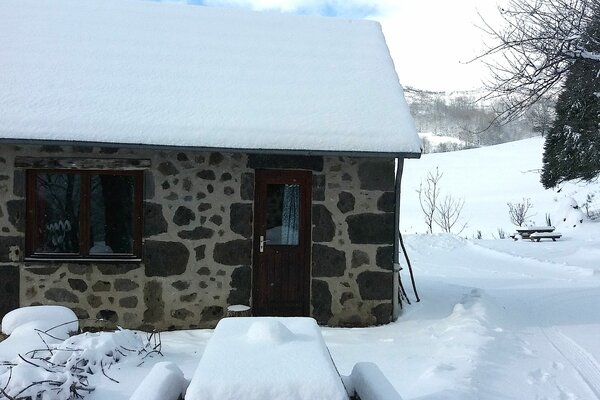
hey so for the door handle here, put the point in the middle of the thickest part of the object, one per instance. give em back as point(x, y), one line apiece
point(262, 243)
point(271, 284)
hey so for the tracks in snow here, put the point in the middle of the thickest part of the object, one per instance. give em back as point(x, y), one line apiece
point(583, 362)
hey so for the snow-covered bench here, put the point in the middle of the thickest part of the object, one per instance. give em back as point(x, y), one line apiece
point(537, 236)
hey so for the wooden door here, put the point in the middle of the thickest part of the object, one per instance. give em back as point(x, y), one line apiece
point(281, 277)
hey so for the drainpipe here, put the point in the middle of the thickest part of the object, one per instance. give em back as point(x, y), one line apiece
point(396, 271)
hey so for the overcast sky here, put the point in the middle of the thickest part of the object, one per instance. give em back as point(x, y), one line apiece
point(430, 40)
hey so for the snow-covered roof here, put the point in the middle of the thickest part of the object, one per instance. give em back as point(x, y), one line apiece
point(137, 72)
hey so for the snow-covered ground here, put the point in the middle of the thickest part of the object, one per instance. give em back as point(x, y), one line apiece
point(498, 319)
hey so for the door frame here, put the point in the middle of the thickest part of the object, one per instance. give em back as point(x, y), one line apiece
point(262, 178)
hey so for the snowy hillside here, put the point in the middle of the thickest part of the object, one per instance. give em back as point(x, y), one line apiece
point(487, 179)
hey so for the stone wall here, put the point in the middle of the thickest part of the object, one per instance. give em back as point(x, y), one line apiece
point(353, 236)
point(198, 209)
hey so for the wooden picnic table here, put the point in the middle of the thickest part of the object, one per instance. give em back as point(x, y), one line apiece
point(526, 231)
point(536, 233)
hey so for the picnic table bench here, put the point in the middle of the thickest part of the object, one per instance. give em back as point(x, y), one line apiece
point(536, 233)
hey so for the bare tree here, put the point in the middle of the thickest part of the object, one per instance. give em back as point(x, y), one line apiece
point(448, 213)
point(542, 115)
point(537, 44)
point(519, 212)
point(428, 196)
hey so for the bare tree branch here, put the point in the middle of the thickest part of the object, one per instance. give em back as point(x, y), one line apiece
point(529, 56)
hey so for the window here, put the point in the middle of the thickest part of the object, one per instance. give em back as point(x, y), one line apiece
point(84, 214)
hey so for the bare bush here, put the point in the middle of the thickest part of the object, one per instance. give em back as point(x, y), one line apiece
point(519, 212)
point(445, 213)
point(501, 233)
point(428, 197)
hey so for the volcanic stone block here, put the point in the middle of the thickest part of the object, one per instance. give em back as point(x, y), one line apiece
point(16, 214)
point(19, 183)
point(165, 258)
point(9, 289)
point(318, 187)
point(6, 244)
point(371, 228)
point(241, 279)
point(183, 216)
point(108, 315)
point(167, 168)
point(94, 301)
point(149, 188)
point(197, 233)
point(247, 186)
point(155, 306)
point(376, 175)
point(323, 226)
point(327, 261)
point(240, 219)
point(215, 158)
point(382, 313)
point(235, 252)
point(207, 174)
point(80, 313)
point(129, 302)
point(321, 301)
point(154, 221)
point(180, 285)
point(78, 284)
point(346, 202)
point(101, 286)
point(61, 295)
point(385, 257)
point(125, 285)
point(182, 314)
point(211, 313)
point(375, 285)
point(386, 202)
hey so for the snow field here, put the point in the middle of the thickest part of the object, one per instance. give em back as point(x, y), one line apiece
point(487, 179)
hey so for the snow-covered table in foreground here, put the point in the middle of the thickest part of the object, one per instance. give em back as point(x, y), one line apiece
point(266, 358)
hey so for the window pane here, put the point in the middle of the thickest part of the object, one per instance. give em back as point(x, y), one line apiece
point(57, 212)
point(283, 202)
point(111, 214)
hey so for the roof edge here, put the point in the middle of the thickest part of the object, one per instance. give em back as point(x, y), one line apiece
point(304, 152)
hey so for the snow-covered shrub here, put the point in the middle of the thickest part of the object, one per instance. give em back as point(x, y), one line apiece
point(568, 214)
point(60, 371)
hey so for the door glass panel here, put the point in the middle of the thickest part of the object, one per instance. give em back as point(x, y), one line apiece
point(111, 214)
point(57, 212)
point(283, 215)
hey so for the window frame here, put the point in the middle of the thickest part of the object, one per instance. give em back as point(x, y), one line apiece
point(84, 217)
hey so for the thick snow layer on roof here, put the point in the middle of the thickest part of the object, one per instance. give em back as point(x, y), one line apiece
point(122, 71)
point(266, 358)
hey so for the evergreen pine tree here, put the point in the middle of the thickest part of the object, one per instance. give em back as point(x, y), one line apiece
point(572, 147)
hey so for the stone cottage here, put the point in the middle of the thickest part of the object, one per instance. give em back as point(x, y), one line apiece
point(160, 162)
